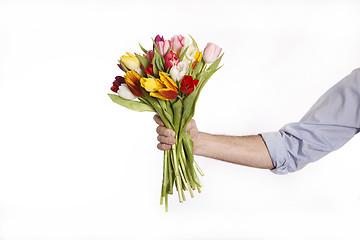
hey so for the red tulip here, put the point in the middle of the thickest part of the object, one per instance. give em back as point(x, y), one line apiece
point(149, 70)
point(188, 84)
point(118, 81)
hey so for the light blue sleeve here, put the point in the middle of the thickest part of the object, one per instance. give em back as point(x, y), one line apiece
point(332, 121)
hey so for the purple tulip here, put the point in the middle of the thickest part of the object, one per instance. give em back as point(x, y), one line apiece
point(159, 39)
point(119, 80)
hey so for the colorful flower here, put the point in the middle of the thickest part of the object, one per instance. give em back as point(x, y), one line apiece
point(211, 53)
point(197, 57)
point(130, 61)
point(125, 92)
point(132, 80)
point(164, 88)
point(177, 42)
point(150, 55)
point(179, 71)
point(118, 81)
point(162, 45)
point(188, 84)
point(171, 60)
point(158, 39)
point(149, 70)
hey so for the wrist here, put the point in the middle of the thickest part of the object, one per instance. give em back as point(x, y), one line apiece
point(198, 143)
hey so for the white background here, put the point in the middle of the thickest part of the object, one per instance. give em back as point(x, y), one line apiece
point(74, 165)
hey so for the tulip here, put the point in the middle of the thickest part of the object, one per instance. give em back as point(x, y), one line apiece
point(130, 61)
point(132, 80)
point(118, 81)
point(158, 39)
point(170, 55)
point(125, 92)
point(171, 60)
point(149, 70)
point(164, 88)
point(197, 58)
point(177, 42)
point(211, 53)
point(190, 54)
point(188, 84)
point(151, 84)
point(178, 72)
point(150, 55)
point(163, 47)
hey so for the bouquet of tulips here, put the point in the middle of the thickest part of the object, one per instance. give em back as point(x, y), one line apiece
point(168, 80)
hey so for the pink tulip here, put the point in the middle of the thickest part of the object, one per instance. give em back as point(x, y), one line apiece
point(177, 42)
point(150, 55)
point(211, 53)
point(163, 46)
point(170, 55)
point(171, 60)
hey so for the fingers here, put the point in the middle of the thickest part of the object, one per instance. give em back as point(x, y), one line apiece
point(166, 137)
point(165, 131)
point(163, 147)
point(166, 140)
point(158, 120)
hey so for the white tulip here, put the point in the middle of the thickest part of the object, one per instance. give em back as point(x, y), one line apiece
point(125, 92)
point(191, 51)
point(178, 72)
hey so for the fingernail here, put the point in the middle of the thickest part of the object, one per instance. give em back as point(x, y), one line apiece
point(173, 134)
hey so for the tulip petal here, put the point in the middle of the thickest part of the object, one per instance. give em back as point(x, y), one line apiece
point(158, 95)
point(132, 79)
point(168, 93)
point(165, 79)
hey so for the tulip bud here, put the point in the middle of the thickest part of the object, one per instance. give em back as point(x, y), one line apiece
point(177, 42)
point(125, 92)
point(159, 39)
point(172, 62)
point(130, 61)
point(150, 55)
point(211, 53)
point(163, 47)
point(178, 72)
point(170, 55)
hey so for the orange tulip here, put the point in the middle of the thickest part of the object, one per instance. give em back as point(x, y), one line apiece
point(164, 88)
point(132, 80)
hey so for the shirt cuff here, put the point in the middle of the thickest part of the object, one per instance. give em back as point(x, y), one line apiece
point(276, 146)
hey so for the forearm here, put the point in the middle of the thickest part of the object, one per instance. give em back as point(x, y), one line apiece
point(243, 150)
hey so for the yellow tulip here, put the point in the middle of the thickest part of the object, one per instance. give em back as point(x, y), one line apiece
point(130, 61)
point(150, 84)
point(197, 57)
point(164, 88)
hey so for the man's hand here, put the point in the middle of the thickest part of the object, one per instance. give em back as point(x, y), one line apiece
point(166, 136)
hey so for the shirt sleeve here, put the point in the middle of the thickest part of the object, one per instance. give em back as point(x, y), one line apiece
point(331, 122)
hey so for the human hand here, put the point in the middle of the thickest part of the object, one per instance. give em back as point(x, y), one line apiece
point(166, 136)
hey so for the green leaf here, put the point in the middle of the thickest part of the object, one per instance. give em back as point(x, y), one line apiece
point(132, 105)
point(143, 49)
point(183, 54)
point(177, 109)
point(143, 60)
point(194, 42)
point(198, 68)
point(123, 66)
